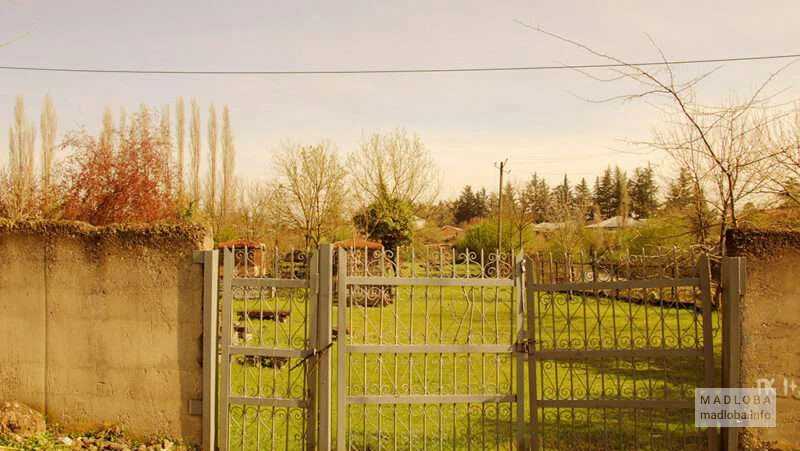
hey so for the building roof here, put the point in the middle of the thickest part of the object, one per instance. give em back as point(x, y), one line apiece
point(549, 226)
point(451, 228)
point(450, 232)
point(616, 222)
point(359, 243)
point(240, 244)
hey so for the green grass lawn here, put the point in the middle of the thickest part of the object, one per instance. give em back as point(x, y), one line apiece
point(456, 315)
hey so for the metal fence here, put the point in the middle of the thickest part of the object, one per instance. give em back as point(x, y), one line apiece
point(363, 349)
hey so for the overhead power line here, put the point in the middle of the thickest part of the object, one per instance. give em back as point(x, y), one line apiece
point(394, 71)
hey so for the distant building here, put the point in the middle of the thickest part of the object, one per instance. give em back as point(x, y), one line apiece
point(617, 222)
point(548, 226)
point(418, 222)
point(451, 233)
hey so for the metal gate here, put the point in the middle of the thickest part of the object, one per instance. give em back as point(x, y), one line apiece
point(616, 348)
point(435, 350)
point(426, 350)
point(268, 335)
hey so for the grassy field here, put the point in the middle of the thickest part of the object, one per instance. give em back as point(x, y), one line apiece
point(456, 315)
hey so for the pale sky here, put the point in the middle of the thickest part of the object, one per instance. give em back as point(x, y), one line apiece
point(468, 121)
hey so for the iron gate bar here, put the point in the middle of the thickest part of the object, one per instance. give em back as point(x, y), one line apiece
point(269, 352)
point(573, 354)
point(271, 283)
point(617, 285)
point(269, 402)
point(430, 281)
point(430, 349)
point(618, 403)
point(429, 399)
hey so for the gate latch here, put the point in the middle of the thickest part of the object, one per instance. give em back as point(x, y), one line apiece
point(525, 346)
point(313, 354)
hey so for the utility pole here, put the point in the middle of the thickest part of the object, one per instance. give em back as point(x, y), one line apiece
point(501, 166)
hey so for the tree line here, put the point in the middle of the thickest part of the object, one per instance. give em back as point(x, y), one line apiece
point(613, 194)
point(134, 169)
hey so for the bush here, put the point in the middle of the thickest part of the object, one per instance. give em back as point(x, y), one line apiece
point(480, 237)
point(388, 220)
point(127, 179)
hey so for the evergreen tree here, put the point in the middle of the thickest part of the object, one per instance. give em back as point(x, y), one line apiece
point(681, 190)
point(583, 199)
point(562, 193)
point(606, 194)
point(643, 192)
point(686, 197)
point(470, 204)
point(620, 198)
point(537, 197)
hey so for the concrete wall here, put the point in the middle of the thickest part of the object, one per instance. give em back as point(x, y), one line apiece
point(103, 325)
point(771, 324)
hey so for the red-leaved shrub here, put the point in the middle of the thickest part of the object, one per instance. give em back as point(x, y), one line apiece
point(127, 178)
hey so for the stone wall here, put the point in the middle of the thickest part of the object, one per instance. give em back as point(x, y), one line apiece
point(103, 325)
point(771, 324)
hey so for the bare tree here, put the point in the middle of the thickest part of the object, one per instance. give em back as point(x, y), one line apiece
point(165, 131)
point(212, 162)
point(107, 132)
point(259, 218)
point(397, 165)
point(194, 140)
point(313, 189)
point(739, 167)
point(725, 143)
point(48, 127)
point(123, 122)
point(165, 139)
point(228, 162)
point(180, 123)
point(21, 161)
point(785, 141)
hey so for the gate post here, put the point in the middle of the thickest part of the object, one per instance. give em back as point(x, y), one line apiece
point(531, 347)
point(323, 334)
point(210, 261)
point(520, 354)
point(704, 269)
point(341, 351)
point(733, 282)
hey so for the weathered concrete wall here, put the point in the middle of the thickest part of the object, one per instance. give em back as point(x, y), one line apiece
point(103, 324)
point(771, 324)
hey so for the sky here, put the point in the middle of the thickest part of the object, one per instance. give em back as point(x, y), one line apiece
point(540, 121)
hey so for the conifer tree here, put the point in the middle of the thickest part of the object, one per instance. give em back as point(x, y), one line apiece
point(643, 192)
